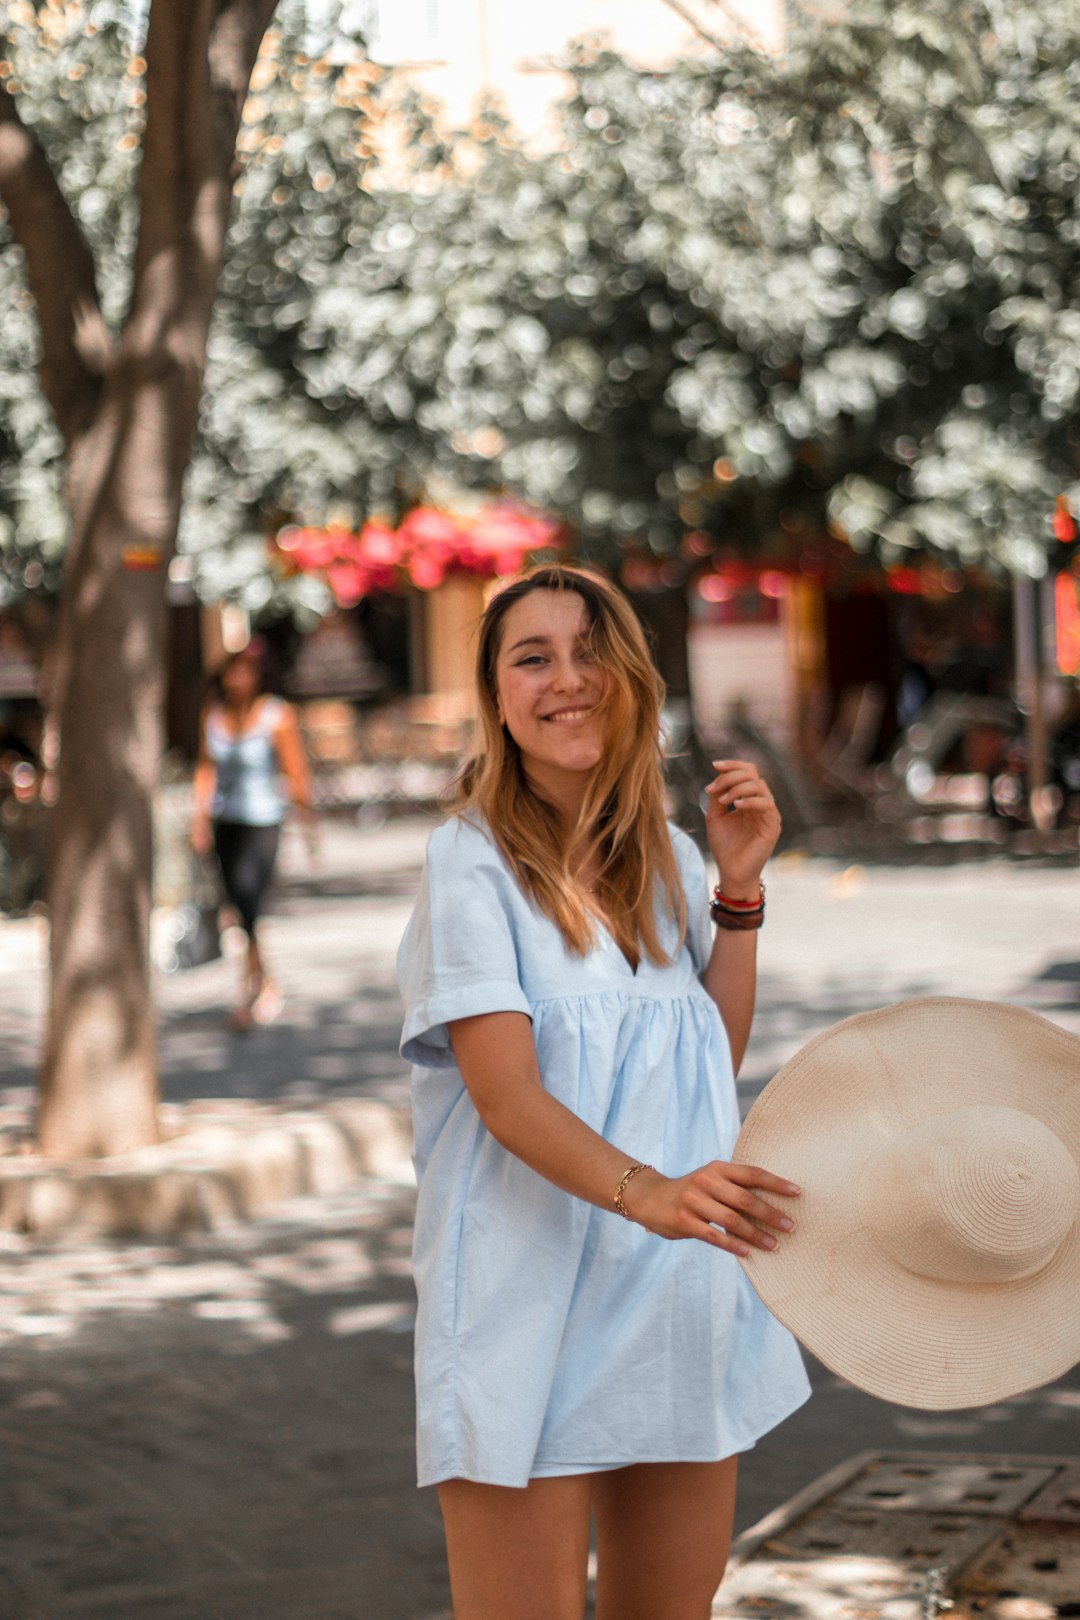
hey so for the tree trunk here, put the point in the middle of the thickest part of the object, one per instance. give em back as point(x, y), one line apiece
point(98, 1080)
point(128, 412)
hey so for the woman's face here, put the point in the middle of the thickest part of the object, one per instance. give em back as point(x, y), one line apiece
point(240, 680)
point(550, 690)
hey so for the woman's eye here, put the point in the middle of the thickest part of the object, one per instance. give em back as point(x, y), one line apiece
point(530, 658)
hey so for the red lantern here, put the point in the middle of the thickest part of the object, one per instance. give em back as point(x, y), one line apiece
point(348, 581)
point(426, 570)
point(1063, 522)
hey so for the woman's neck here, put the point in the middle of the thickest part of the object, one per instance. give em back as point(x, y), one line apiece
point(239, 709)
point(565, 794)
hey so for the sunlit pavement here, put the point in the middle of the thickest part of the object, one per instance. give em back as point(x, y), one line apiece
point(225, 1429)
point(222, 1431)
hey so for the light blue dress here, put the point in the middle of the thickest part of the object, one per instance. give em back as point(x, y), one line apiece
point(553, 1337)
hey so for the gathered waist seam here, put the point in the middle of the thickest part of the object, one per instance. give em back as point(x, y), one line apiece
point(693, 993)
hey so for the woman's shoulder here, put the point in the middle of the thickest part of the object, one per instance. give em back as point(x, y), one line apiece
point(215, 725)
point(464, 869)
point(687, 849)
point(274, 710)
point(690, 860)
point(463, 836)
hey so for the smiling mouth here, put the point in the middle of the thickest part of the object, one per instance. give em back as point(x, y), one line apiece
point(566, 716)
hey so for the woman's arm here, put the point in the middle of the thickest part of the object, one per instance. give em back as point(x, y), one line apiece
point(202, 837)
point(730, 977)
point(293, 758)
point(742, 826)
point(294, 762)
point(497, 1058)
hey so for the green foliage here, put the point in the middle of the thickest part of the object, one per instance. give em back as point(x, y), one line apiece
point(79, 84)
point(847, 278)
point(743, 296)
point(269, 447)
point(77, 89)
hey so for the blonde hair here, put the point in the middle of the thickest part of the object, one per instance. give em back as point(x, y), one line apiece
point(622, 822)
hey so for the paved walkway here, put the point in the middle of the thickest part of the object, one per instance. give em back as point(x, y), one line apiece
point(223, 1430)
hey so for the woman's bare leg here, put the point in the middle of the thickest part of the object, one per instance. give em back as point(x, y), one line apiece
point(663, 1531)
point(518, 1554)
point(256, 970)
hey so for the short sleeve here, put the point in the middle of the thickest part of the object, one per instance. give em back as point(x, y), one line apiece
point(458, 956)
point(698, 891)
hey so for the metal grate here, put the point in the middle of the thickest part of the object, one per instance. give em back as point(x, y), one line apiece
point(849, 1587)
point(1034, 1562)
point(912, 1536)
point(1059, 1502)
point(985, 1488)
point(916, 1541)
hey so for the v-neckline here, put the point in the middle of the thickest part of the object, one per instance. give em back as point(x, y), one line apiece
point(614, 942)
point(255, 714)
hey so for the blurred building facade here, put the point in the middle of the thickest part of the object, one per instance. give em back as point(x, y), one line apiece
point(461, 51)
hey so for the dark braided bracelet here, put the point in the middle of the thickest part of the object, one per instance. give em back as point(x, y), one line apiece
point(738, 915)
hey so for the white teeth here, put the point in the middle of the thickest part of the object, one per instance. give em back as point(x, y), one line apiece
point(569, 714)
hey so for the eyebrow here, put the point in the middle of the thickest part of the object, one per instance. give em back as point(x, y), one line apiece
point(539, 641)
point(530, 641)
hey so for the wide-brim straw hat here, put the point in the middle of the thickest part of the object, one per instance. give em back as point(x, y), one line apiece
point(935, 1259)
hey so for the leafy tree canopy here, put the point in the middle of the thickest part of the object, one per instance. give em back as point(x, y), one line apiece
point(744, 297)
point(80, 84)
point(749, 295)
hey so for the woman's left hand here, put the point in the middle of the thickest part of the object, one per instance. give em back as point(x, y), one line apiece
point(742, 824)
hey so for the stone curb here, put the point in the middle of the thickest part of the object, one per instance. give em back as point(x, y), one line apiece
point(218, 1162)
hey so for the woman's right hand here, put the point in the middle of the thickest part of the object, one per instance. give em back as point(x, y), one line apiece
point(718, 1204)
point(202, 836)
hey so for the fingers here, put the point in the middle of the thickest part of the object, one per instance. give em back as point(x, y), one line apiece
point(732, 1203)
point(737, 781)
point(719, 1239)
point(718, 1204)
point(752, 1175)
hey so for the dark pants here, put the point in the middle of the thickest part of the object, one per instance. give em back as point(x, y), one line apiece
point(246, 856)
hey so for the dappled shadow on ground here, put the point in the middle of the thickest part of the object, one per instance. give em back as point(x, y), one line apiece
point(1056, 989)
point(336, 1035)
point(1061, 972)
point(225, 1427)
point(222, 1428)
point(784, 1022)
point(313, 1051)
point(393, 884)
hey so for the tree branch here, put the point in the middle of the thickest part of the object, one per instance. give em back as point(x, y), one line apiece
point(739, 23)
point(199, 55)
point(60, 269)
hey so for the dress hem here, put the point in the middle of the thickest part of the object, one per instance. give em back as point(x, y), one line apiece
point(555, 1469)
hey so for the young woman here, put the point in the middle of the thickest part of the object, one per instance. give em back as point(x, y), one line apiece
point(575, 1031)
point(249, 740)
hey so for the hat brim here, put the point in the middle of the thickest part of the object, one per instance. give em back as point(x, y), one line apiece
point(907, 1338)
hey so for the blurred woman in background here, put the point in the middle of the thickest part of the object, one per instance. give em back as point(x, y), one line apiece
point(249, 741)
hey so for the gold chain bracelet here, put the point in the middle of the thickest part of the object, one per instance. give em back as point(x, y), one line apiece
point(628, 1176)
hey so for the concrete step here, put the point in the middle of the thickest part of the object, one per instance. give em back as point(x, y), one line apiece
point(218, 1161)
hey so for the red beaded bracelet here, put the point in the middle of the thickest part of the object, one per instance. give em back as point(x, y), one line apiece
point(737, 914)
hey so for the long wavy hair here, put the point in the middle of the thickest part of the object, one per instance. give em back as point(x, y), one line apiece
point(622, 822)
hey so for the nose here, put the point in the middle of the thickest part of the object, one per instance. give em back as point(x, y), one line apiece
point(567, 675)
